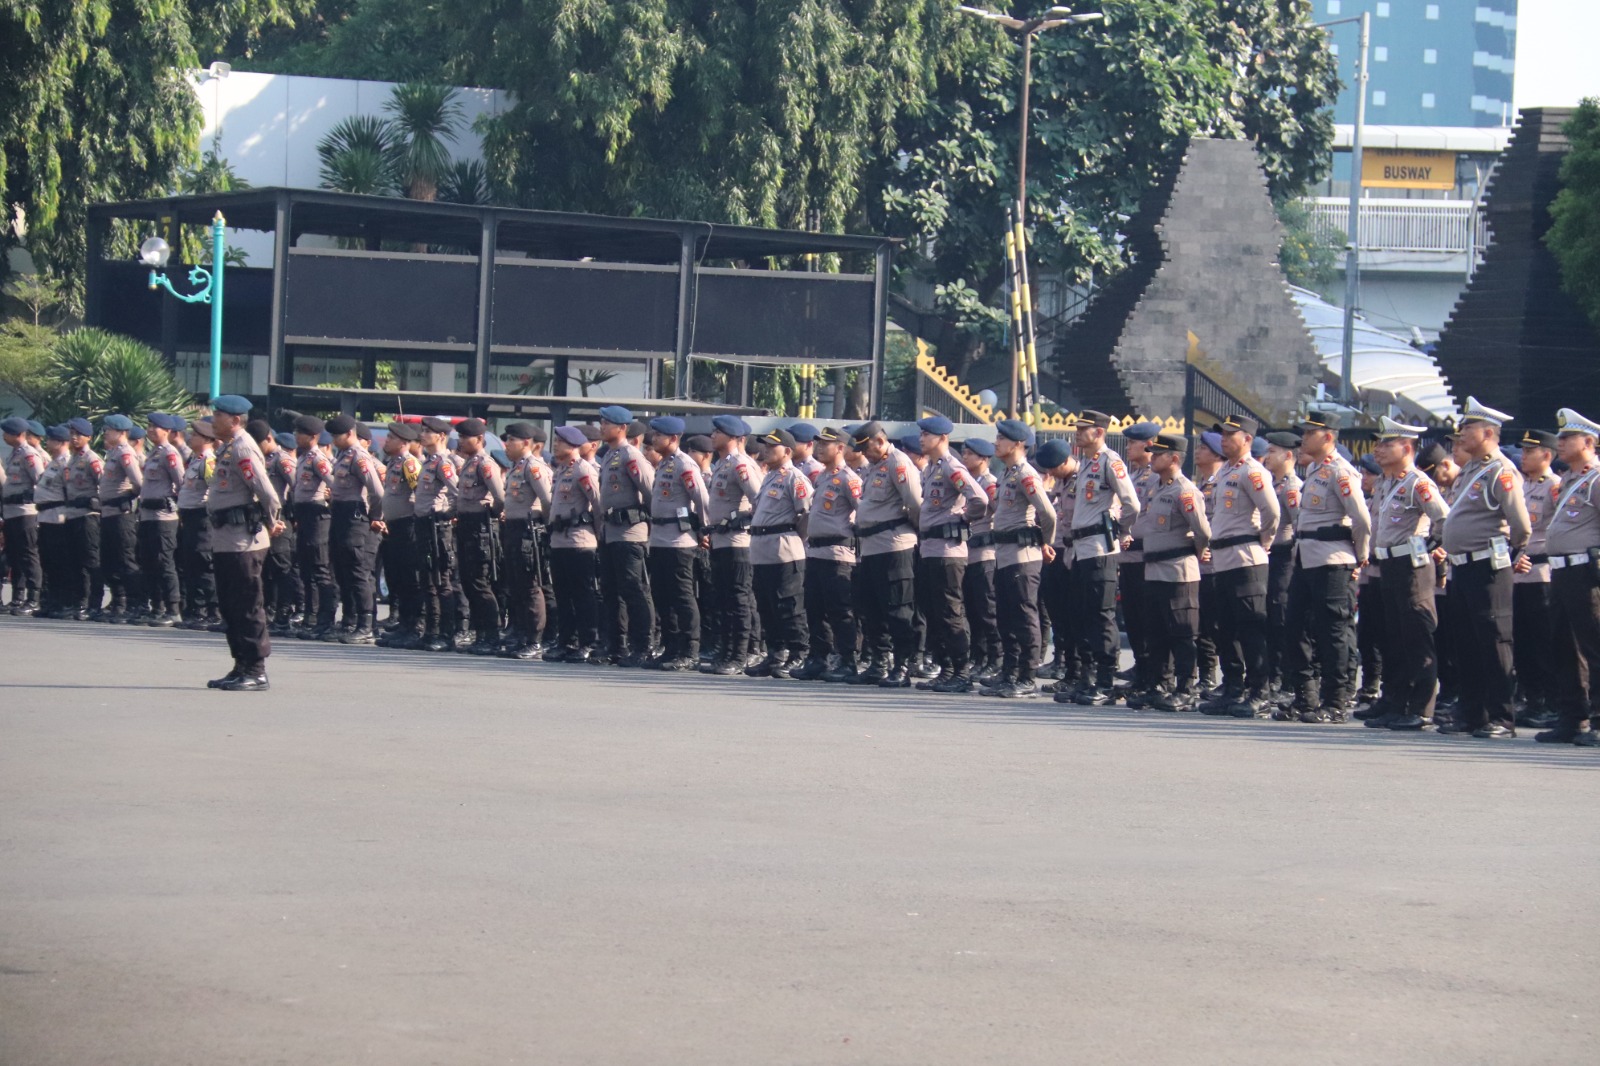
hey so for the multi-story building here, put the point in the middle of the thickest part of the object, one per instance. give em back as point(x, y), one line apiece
point(1433, 62)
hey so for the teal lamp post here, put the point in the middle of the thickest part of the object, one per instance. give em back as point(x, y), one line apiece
point(154, 253)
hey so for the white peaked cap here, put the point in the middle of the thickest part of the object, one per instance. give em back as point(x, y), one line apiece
point(1571, 421)
point(1477, 412)
point(1389, 429)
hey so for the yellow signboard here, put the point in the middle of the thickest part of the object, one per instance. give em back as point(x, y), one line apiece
point(1405, 168)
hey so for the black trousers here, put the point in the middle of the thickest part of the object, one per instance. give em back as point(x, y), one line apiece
point(625, 594)
point(83, 551)
point(547, 586)
point(119, 558)
point(1445, 642)
point(944, 610)
point(280, 577)
point(1575, 643)
point(158, 561)
point(479, 566)
point(733, 587)
point(705, 595)
point(196, 568)
point(436, 565)
point(399, 551)
point(1482, 602)
point(1319, 631)
point(1530, 639)
point(22, 555)
point(1055, 591)
point(350, 545)
point(244, 614)
point(830, 616)
point(1096, 580)
point(1242, 627)
point(885, 604)
point(977, 589)
point(311, 526)
point(1130, 586)
point(575, 572)
point(1280, 570)
point(1205, 644)
point(525, 606)
point(1016, 594)
point(1172, 612)
point(781, 599)
point(54, 564)
point(1410, 667)
point(676, 604)
point(1371, 641)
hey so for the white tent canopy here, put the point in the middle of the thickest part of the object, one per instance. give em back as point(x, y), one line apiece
point(1386, 370)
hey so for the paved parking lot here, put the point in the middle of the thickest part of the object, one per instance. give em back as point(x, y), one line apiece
point(398, 858)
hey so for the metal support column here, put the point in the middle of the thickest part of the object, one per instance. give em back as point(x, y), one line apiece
point(282, 240)
point(170, 308)
point(685, 337)
point(483, 357)
point(880, 327)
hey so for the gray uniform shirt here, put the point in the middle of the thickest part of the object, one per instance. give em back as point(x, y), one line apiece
point(121, 478)
point(833, 509)
point(163, 477)
point(1408, 506)
point(24, 467)
point(625, 480)
point(950, 499)
point(575, 495)
point(1021, 502)
point(1288, 490)
point(983, 528)
point(1175, 518)
point(735, 483)
point(1539, 495)
point(313, 478)
point(1145, 483)
point(891, 489)
point(196, 484)
point(52, 488)
point(1101, 487)
point(83, 481)
point(785, 498)
point(677, 498)
point(400, 476)
point(1487, 504)
point(1575, 527)
point(1332, 496)
point(527, 491)
point(437, 485)
point(1243, 504)
point(479, 486)
point(355, 478)
point(239, 476)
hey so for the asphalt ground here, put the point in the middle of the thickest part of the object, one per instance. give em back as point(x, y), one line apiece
point(404, 858)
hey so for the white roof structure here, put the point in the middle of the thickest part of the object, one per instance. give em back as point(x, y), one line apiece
point(1387, 371)
point(1488, 140)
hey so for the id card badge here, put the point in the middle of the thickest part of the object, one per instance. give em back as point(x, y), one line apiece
point(1502, 553)
point(1419, 553)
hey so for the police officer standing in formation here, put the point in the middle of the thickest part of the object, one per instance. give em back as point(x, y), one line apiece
point(1130, 564)
point(528, 486)
point(242, 509)
point(480, 495)
point(977, 583)
point(678, 509)
point(1484, 532)
point(18, 488)
point(1530, 581)
point(574, 549)
point(1105, 507)
point(734, 485)
point(121, 478)
point(1024, 531)
point(402, 470)
point(831, 563)
point(626, 478)
point(1332, 534)
point(1408, 514)
point(886, 530)
point(777, 557)
point(158, 521)
point(1573, 543)
point(313, 480)
point(951, 502)
point(1175, 532)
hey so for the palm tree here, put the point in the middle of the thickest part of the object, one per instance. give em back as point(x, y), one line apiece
point(96, 373)
point(361, 154)
point(466, 182)
point(425, 117)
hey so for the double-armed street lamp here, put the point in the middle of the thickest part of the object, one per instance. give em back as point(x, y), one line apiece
point(154, 254)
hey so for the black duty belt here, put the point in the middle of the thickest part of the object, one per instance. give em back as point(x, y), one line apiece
point(1137, 545)
point(1161, 555)
point(312, 505)
point(1239, 538)
point(982, 540)
point(772, 531)
point(561, 525)
point(828, 541)
point(733, 524)
point(951, 531)
point(1328, 533)
point(474, 517)
point(162, 505)
point(1285, 548)
point(51, 505)
point(87, 503)
point(116, 507)
point(1538, 560)
point(245, 514)
point(625, 516)
point(17, 499)
point(1099, 529)
point(1027, 536)
point(883, 527)
point(670, 520)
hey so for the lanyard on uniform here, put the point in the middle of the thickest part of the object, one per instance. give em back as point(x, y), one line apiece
point(1576, 485)
point(1389, 499)
point(1475, 479)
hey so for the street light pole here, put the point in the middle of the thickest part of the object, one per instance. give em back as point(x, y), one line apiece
point(154, 254)
point(1352, 264)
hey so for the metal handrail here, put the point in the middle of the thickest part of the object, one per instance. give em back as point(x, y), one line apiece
point(1452, 226)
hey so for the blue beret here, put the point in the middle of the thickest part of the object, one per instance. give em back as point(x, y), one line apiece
point(36, 428)
point(136, 433)
point(16, 426)
point(938, 425)
point(1015, 429)
point(1213, 440)
point(119, 422)
point(324, 438)
point(1052, 453)
point(56, 433)
point(1369, 465)
point(1258, 447)
point(671, 425)
point(979, 446)
point(803, 432)
point(572, 435)
point(911, 444)
point(732, 425)
point(499, 455)
point(617, 416)
point(1141, 431)
point(231, 405)
point(285, 441)
point(1344, 453)
point(81, 427)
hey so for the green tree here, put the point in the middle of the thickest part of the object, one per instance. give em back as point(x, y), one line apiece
point(94, 373)
point(361, 155)
point(1309, 258)
point(425, 120)
point(465, 182)
point(1574, 235)
point(38, 293)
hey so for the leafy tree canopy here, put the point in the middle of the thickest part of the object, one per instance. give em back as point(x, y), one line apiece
point(1575, 235)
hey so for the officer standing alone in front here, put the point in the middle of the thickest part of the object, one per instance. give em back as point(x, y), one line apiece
point(242, 509)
